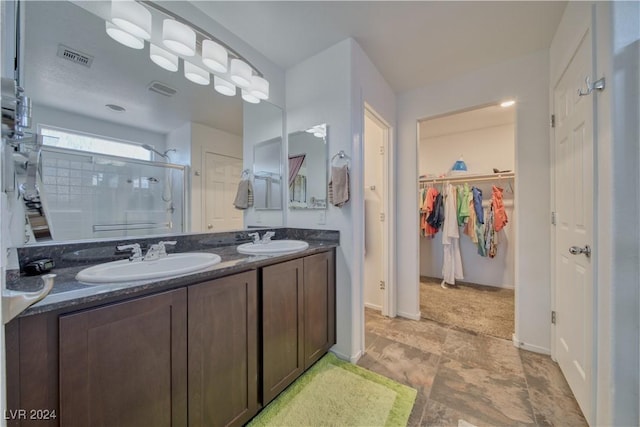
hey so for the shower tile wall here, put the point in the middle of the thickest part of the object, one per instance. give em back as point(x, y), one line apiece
point(81, 192)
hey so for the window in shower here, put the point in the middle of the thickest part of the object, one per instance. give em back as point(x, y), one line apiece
point(74, 140)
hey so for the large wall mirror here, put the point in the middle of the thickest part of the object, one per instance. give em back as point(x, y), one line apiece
point(119, 93)
point(307, 168)
point(267, 175)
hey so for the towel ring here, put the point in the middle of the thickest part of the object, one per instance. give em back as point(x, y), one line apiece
point(341, 156)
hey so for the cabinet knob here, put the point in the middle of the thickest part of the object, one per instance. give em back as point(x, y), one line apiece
point(209, 226)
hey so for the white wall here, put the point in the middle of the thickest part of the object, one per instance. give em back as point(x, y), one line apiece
point(343, 80)
point(43, 115)
point(328, 101)
point(524, 79)
point(484, 149)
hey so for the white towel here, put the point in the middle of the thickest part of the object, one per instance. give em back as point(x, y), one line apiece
point(244, 196)
point(339, 186)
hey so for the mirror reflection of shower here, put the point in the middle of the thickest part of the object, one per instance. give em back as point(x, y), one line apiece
point(168, 188)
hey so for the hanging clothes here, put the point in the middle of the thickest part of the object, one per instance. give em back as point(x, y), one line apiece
point(427, 207)
point(462, 205)
point(452, 266)
point(470, 226)
point(436, 217)
point(497, 204)
point(490, 234)
point(477, 204)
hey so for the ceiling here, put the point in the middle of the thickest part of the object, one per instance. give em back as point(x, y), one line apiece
point(412, 44)
point(118, 75)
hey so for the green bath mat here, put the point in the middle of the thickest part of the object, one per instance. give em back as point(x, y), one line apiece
point(338, 393)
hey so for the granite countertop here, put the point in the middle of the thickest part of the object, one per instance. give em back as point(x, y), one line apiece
point(68, 293)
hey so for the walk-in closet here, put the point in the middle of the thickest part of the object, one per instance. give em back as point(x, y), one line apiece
point(467, 219)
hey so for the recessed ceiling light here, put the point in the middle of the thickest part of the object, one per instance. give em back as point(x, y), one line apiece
point(508, 103)
point(116, 108)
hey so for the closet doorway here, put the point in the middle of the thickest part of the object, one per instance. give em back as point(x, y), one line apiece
point(466, 186)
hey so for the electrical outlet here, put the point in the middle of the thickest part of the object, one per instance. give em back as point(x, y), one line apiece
point(322, 217)
point(258, 218)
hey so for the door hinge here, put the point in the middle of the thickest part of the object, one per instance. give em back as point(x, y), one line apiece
point(553, 317)
point(382, 149)
point(553, 120)
point(382, 284)
point(553, 218)
point(382, 217)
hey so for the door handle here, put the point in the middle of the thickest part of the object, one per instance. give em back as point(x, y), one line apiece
point(577, 250)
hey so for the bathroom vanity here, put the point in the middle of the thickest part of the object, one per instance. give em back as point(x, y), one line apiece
point(206, 349)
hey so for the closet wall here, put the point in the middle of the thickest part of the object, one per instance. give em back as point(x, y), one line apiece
point(486, 140)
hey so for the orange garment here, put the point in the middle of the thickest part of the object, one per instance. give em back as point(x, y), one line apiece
point(427, 207)
point(500, 215)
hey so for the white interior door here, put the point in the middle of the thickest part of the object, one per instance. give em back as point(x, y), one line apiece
point(221, 175)
point(574, 342)
point(374, 214)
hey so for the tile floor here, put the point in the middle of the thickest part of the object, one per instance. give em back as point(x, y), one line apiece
point(463, 377)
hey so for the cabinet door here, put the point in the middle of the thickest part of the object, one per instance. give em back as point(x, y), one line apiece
point(282, 326)
point(223, 351)
point(125, 364)
point(319, 306)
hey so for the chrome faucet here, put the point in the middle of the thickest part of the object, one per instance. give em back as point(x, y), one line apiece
point(158, 250)
point(255, 236)
point(136, 252)
point(267, 237)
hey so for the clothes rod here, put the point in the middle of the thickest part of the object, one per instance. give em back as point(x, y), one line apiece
point(470, 178)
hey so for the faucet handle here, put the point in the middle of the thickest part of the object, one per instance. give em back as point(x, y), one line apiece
point(255, 236)
point(267, 236)
point(162, 246)
point(136, 252)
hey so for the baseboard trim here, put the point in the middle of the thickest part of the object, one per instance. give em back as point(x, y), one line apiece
point(353, 359)
point(530, 347)
point(373, 306)
point(412, 316)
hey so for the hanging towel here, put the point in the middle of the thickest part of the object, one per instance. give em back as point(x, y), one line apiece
point(339, 186)
point(452, 266)
point(244, 195)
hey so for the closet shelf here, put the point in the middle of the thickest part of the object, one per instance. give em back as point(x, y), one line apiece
point(471, 178)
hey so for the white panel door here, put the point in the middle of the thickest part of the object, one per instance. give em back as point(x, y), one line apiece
point(221, 176)
point(373, 209)
point(574, 227)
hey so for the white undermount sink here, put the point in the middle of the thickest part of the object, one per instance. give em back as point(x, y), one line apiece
point(169, 266)
point(274, 247)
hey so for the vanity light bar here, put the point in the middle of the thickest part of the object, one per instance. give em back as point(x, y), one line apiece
point(133, 25)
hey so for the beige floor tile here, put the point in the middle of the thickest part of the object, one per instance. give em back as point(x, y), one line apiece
point(551, 398)
point(493, 397)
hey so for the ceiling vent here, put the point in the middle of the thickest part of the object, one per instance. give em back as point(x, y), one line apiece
point(74, 55)
point(161, 88)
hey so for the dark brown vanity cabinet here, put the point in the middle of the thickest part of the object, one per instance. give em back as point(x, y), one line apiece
point(298, 318)
point(192, 356)
point(223, 351)
point(125, 364)
point(152, 360)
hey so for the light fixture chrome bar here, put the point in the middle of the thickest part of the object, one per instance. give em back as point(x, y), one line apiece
point(199, 31)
